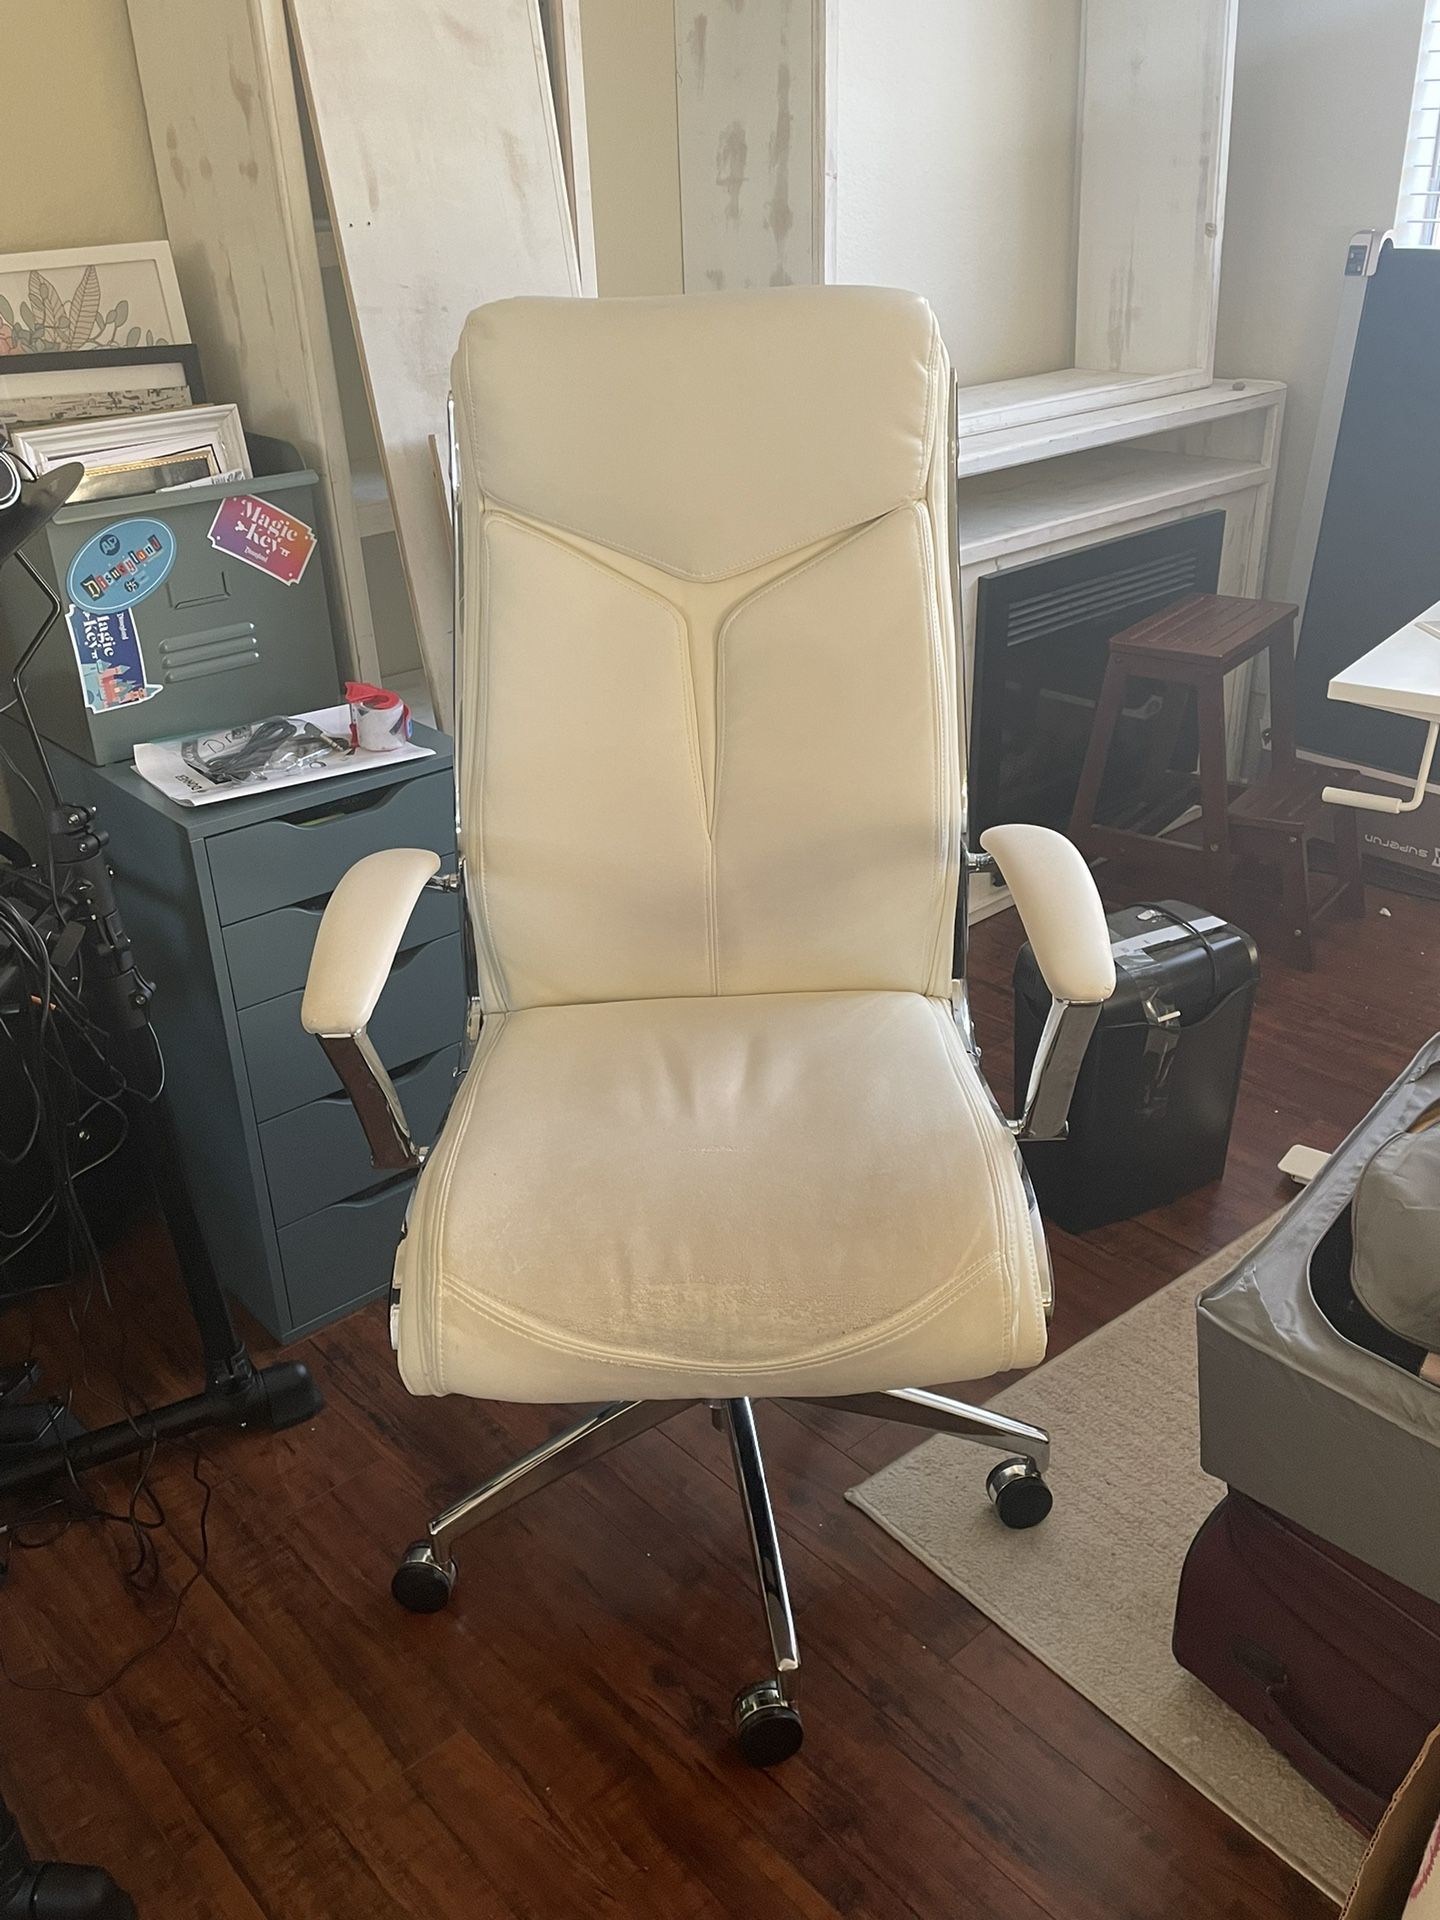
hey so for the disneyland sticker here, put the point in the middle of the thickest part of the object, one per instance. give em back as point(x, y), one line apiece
point(121, 565)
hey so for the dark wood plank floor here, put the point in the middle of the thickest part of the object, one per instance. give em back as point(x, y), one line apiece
point(556, 1744)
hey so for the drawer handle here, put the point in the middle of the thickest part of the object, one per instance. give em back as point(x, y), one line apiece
point(399, 1075)
point(412, 954)
point(318, 902)
point(326, 812)
point(377, 1195)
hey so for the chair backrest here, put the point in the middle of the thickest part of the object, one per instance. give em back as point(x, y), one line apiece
point(708, 729)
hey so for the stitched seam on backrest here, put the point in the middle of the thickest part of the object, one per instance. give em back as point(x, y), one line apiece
point(492, 948)
point(742, 565)
point(680, 638)
point(753, 600)
point(939, 783)
point(692, 730)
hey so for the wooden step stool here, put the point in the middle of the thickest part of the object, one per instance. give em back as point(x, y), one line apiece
point(1194, 644)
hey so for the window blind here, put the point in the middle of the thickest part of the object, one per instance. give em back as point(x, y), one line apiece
point(1417, 217)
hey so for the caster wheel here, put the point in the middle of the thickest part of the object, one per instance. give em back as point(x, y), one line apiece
point(1019, 1492)
point(421, 1584)
point(766, 1725)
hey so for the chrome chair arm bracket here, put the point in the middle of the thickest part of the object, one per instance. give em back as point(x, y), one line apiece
point(376, 1103)
point(1059, 906)
point(1055, 1069)
point(360, 933)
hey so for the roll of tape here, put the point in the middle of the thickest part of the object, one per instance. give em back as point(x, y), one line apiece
point(380, 719)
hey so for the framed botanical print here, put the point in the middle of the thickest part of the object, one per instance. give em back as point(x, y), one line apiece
point(76, 299)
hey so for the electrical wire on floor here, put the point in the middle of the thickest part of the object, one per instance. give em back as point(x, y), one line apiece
point(69, 1121)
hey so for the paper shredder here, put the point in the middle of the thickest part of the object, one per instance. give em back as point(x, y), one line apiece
point(1156, 1094)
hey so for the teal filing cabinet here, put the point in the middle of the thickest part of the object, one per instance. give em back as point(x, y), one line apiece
point(223, 903)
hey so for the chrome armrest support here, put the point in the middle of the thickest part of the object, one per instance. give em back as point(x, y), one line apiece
point(1063, 1040)
point(376, 1103)
point(1061, 912)
point(361, 931)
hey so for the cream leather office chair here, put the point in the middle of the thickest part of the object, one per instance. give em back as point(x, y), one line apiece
point(722, 1134)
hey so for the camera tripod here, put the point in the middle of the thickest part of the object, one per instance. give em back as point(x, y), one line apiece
point(78, 916)
point(70, 914)
point(46, 1890)
point(81, 918)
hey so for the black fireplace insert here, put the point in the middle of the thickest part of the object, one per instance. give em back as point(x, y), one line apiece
point(1042, 633)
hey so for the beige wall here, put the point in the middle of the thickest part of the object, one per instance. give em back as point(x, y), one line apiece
point(85, 175)
point(629, 53)
point(1322, 96)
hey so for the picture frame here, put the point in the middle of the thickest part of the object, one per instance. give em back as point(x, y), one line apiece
point(128, 454)
point(38, 389)
point(83, 299)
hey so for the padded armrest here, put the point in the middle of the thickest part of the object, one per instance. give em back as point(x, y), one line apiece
point(1057, 900)
point(360, 934)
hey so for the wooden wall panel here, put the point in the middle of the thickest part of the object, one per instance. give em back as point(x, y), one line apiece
point(751, 214)
point(224, 126)
point(567, 80)
point(436, 132)
point(1154, 133)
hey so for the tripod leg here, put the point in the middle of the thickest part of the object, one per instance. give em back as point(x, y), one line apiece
point(284, 1394)
point(46, 1890)
point(237, 1393)
point(226, 1360)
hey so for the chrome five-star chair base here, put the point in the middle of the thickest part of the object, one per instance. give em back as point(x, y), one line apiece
point(767, 1718)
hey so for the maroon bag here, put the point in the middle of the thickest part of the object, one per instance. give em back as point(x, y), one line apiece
point(1337, 1665)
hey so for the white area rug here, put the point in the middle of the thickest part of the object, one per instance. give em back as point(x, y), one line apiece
point(1091, 1592)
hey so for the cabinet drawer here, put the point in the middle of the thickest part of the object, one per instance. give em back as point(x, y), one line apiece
point(317, 1154)
point(270, 954)
point(302, 854)
point(421, 1010)
point(343, 1255)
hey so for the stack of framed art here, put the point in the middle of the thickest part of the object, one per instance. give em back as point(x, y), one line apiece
point(181, 562)
point(96, 365)
point(129, 453)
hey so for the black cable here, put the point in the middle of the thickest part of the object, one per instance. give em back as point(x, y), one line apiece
point(47, 1023)
point(65, 1058)
point(1179, 920)
point(142, 1653)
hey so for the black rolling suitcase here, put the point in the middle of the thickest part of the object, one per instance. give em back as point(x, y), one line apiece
point(1156, 1094)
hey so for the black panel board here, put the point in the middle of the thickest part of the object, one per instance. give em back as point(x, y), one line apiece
point(1377, 563)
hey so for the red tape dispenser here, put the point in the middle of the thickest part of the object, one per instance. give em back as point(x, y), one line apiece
point(379, 719)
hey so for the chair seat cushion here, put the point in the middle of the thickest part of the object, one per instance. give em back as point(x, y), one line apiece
point(803, 1193)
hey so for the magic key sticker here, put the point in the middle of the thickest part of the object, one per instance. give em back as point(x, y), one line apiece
point(263, 536)
point(107, 652)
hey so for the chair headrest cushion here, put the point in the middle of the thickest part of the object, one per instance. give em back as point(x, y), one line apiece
point(704, 433)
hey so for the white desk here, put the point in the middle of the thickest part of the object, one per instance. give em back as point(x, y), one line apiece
point(1401, 675)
